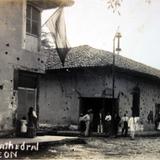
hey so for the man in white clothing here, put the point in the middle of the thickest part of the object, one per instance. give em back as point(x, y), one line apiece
point(88, 119)
point(132, 126)
point(124, 125)
point(108, 127)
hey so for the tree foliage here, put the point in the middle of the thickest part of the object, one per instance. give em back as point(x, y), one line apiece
point(45, 41)
point(115, 5)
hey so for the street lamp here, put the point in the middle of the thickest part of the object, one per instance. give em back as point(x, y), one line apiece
point(117, 49)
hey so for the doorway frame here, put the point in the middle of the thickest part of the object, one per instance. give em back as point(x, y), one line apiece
point(114, 110)
point(35, 97)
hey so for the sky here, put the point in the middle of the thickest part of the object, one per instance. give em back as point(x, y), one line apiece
point(89, 22)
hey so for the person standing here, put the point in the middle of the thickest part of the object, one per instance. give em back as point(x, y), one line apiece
point(157, 121)
point(150, 117)
point(32, 122)
point(132, 126)
point(100, 125)
point(124, 125)
point(116, 121)
point(108, 128)
point(88, 119)
point(82, 125)
point(23, 126)
point(90, 112)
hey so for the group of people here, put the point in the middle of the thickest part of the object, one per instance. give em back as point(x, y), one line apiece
point(155, 120)
point(125, 122)
point(27, 126)
point(111, 124)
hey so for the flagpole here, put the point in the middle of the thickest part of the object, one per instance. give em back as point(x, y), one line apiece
point(51, 16)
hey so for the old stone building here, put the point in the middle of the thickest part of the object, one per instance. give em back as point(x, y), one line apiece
point(21, 60)
point(31, 77)
point(86, 82)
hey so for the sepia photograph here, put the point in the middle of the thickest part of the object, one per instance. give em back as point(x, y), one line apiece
point(79, 80)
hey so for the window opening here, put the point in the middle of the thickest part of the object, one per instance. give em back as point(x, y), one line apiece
point(33, 19)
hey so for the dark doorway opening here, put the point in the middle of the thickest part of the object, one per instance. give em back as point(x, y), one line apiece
point(26, 99)
point(157, 112)
point(136, 102)
point(157, 109)
point(157, 116)
point(25, 83)
point(98, 105)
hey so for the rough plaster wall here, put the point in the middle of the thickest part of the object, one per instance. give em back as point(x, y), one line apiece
point(23, 60)
point(31, 43)
point(14, 60)
point(13, 31)
point(149, 96)
point(12, 56)
point(6, 97)
point(93, 84)
point(54, 105)
point(123, 87)
point(10, 37)
point(11, 22)
point(61, 91)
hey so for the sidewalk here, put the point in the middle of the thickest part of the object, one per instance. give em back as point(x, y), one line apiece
point(42, 140)
point(63, 137)
point(139, 133)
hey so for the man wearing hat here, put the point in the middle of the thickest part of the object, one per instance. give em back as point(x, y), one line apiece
point(88, 119)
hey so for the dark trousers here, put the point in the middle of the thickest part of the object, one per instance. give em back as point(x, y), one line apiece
point(115, 129)
point(31, 132)
point(125, 129)
point(108, 128)
point(82, 127)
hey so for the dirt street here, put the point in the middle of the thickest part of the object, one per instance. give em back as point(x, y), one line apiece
point(104, 148)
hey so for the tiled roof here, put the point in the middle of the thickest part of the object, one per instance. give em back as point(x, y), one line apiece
point(86, 56)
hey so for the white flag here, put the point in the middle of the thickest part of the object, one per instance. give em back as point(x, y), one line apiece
point(57, 27)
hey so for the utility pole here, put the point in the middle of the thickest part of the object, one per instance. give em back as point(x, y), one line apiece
point(115, 49)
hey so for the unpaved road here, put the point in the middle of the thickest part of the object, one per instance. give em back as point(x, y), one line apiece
point(103, 148)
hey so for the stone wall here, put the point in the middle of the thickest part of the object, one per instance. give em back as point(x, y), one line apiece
point(12, 23)
point(14, 57)
point(60, 92)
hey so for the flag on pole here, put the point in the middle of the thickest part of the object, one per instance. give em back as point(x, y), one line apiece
point(56, 25)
